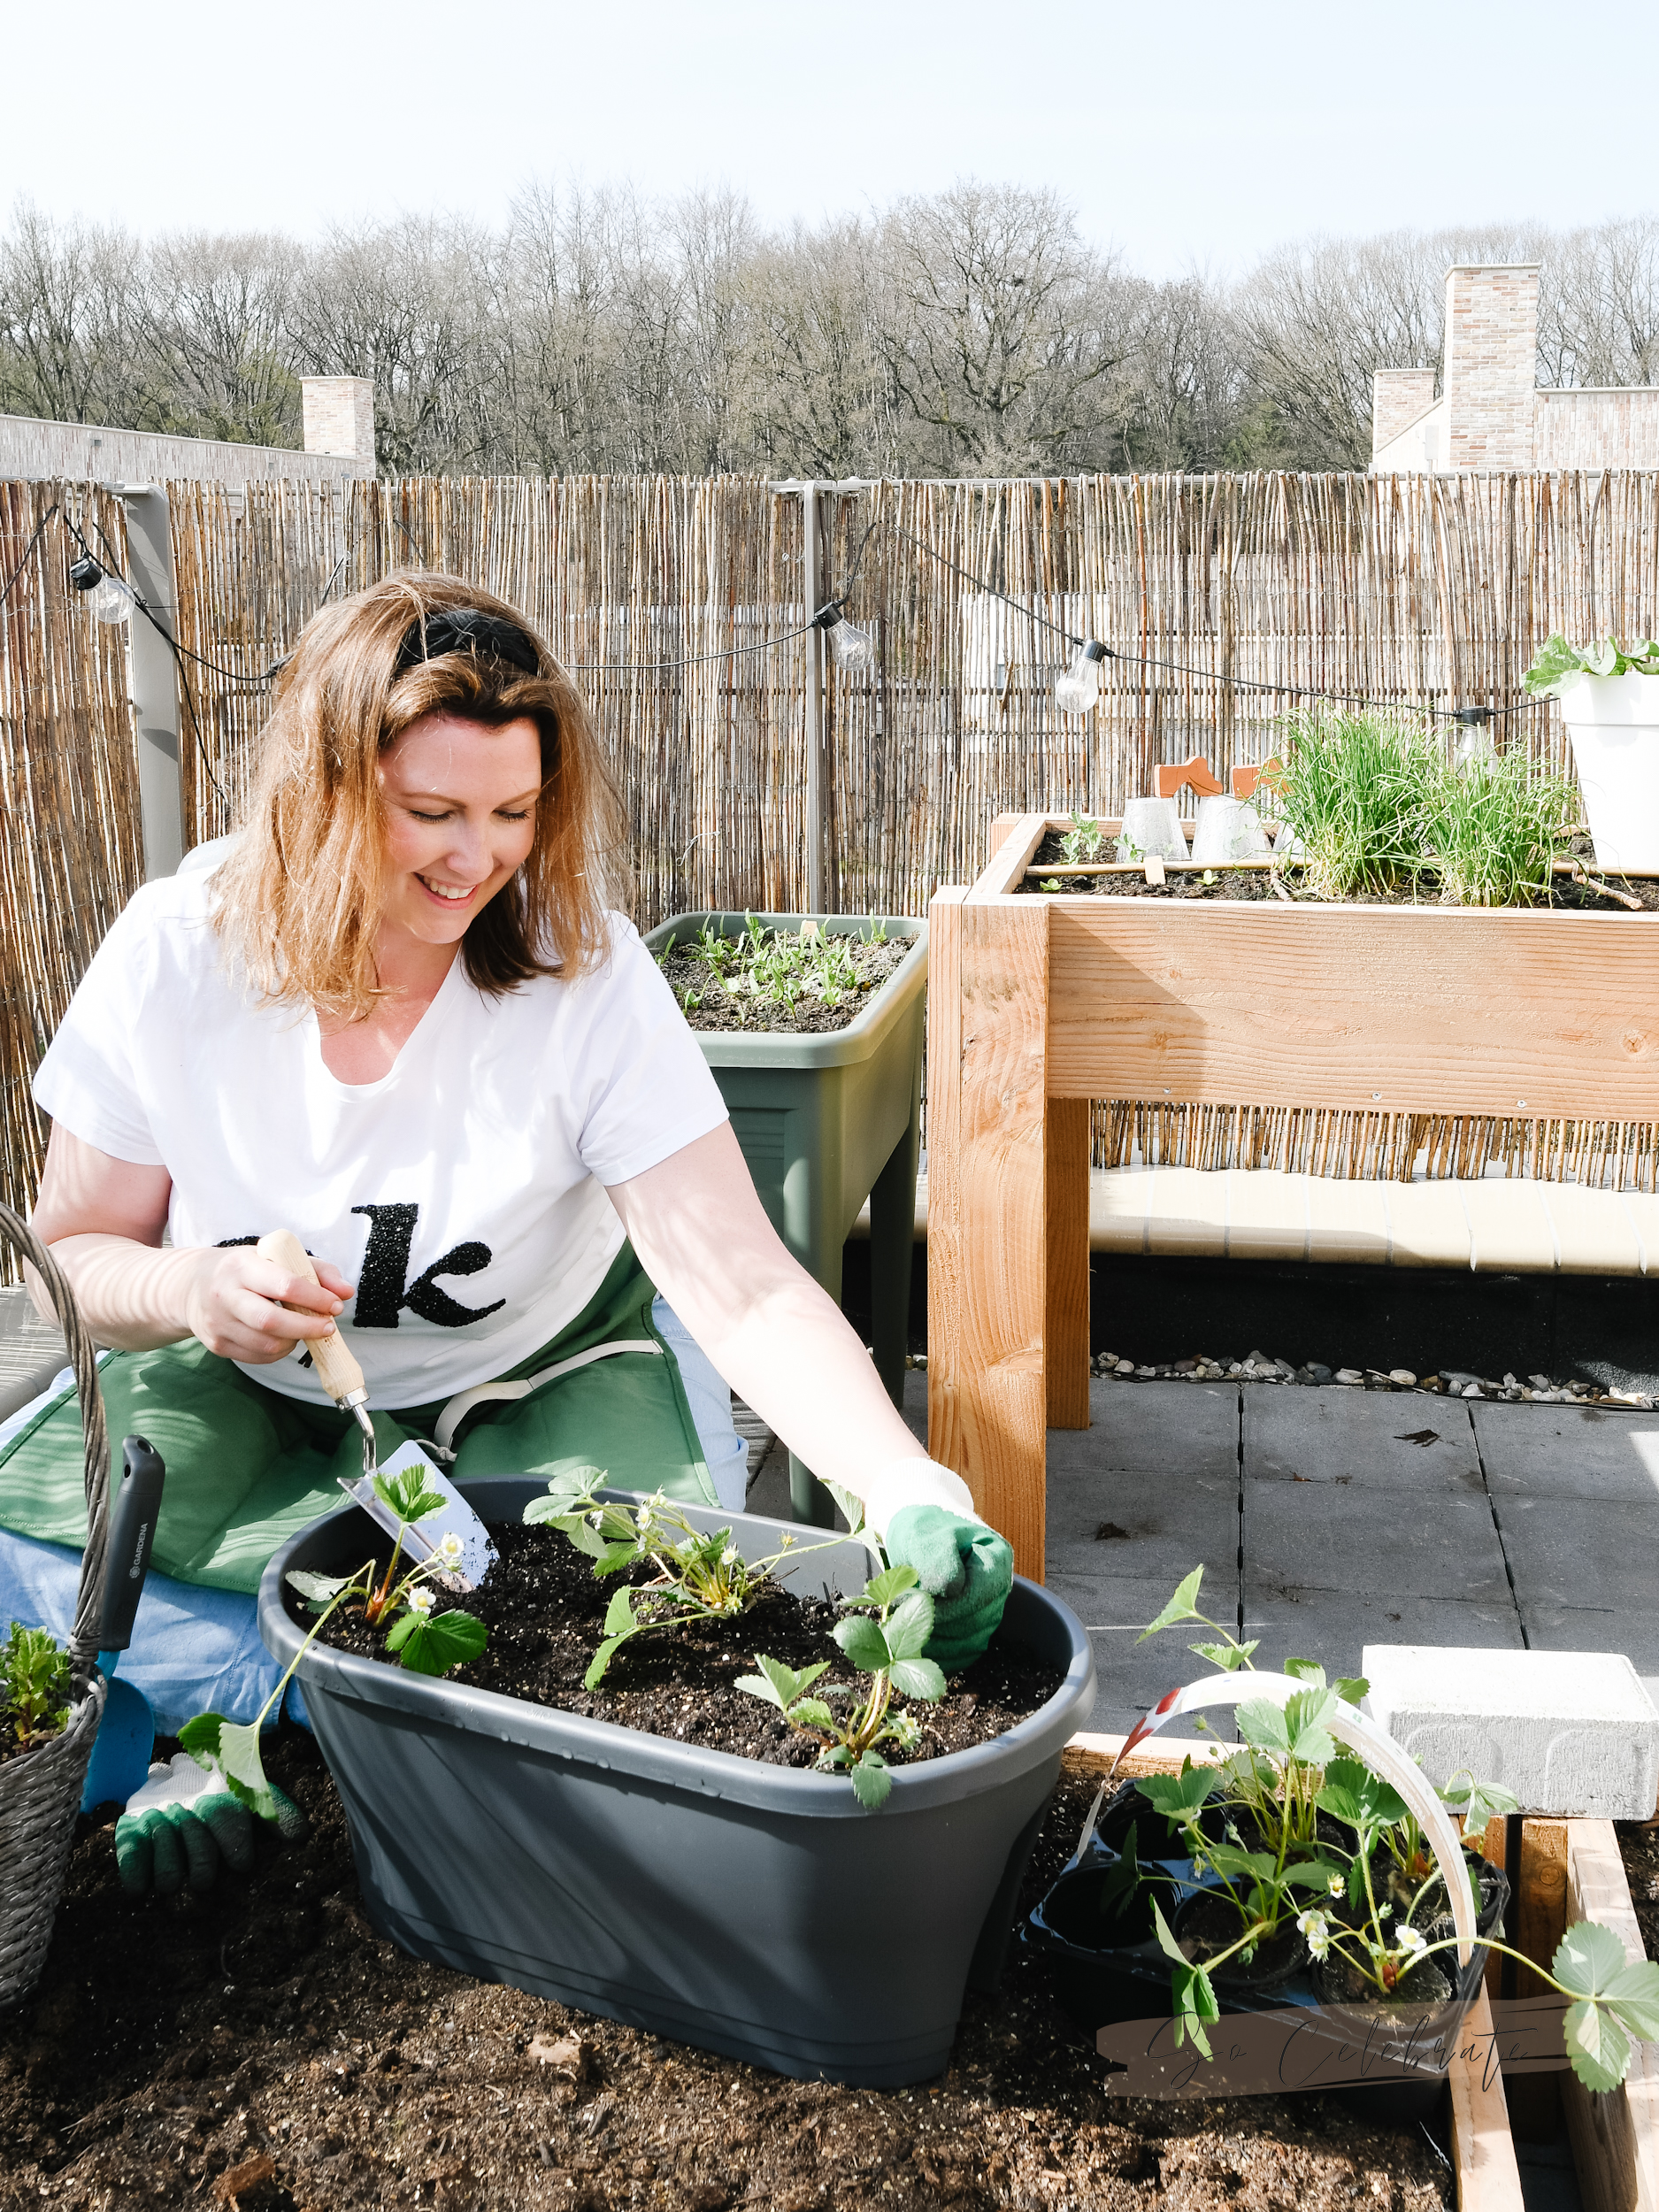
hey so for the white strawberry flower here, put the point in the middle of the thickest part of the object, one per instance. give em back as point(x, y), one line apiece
point(1336, 1885)
point(450, 1550)
point(1317, 1928)
point(1411, 1940)
point(420, 1602)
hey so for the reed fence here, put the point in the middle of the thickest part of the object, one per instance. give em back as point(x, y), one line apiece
point(1227, 601)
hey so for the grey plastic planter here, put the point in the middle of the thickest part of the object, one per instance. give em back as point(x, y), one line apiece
point(826, 1122)
point(752, 1910)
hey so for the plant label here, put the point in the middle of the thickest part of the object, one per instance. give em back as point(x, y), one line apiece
point(458, 1518)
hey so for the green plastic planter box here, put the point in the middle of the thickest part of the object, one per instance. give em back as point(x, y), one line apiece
point(826, 1122)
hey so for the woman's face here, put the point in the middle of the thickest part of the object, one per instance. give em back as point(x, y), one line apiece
point(460, 800)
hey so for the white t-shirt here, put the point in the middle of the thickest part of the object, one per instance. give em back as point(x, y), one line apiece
point(463, 1193)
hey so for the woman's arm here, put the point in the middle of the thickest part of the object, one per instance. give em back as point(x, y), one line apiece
point(703, 1237)
point(103, 1218)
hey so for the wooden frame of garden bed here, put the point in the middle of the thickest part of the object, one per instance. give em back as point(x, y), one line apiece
point(1038, 1003)
point(1570, 1870)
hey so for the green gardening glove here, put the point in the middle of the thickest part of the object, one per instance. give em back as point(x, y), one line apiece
point(967, 1569)
point(178, 1827)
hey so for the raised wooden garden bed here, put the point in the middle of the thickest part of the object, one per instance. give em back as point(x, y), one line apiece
point(1039, 1003)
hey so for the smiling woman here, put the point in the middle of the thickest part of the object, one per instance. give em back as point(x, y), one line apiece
point(394, 1015)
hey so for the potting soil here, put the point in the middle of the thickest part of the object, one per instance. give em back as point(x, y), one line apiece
point(261, 2046)
point(545, 1610)
point(1566, 892)
point(717, 1008)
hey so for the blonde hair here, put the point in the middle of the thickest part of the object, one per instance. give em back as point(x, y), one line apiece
point(300, 899)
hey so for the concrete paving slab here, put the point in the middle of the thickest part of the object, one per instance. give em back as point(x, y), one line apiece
point(1414, 1544)
point(1568, 1452)
point(1383, 1440)
point(1334, 1626)
point(1159, 1527)
point(1168, 1426)
point(1132, 1676)
point(1590, 1553)
point(1632, 1630)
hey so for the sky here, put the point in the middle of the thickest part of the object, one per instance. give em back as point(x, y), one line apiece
point(1189, 134)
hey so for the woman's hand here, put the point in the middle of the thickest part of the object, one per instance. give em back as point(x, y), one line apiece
point(238, 1304)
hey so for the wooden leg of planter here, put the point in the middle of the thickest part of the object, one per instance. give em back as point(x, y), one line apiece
point(1065, 1340)
point(1483, 2150)
point(987, 1281)
point(1614, 2138)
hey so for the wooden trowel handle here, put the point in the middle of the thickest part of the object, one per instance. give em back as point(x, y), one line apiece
point(337, 1370)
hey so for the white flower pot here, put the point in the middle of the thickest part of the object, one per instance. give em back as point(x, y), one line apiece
point(1613, 724)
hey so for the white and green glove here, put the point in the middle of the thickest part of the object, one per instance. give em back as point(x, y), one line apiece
point(924, 1517)
point(182, 1823)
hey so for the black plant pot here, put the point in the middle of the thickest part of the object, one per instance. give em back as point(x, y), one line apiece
point(1109, 1969)
point(753, 1910)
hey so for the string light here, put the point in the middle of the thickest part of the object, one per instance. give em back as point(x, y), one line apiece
point(852, 649)
point(1076, 691)
point(109, 598)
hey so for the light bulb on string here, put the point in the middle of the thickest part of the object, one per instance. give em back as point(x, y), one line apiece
point(1076, 691)
point(108, 599)
point(853, 649)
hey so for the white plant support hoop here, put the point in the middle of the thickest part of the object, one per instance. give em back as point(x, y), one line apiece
point(1350, 1727)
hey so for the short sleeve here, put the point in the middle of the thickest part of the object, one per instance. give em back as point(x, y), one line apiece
point(88, 1079)
point(641, 1087)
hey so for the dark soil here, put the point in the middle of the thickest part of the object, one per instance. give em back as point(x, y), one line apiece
point(1638, 1847)
point(260, 2046)
point(545, 1609)
point(720, 1009)
point(1256, 883)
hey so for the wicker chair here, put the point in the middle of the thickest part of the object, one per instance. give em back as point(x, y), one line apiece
point(40, 1790)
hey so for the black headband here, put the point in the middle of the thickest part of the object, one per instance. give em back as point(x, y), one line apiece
point(466, 629)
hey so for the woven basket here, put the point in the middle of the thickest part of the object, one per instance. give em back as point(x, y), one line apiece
point(40, 1792)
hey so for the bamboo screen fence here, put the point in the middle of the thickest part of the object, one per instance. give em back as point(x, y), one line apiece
point(1425, 591)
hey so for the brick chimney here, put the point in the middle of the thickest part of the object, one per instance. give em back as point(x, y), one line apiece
point(1398, 396)
point(1490, 365)
point(338, 415)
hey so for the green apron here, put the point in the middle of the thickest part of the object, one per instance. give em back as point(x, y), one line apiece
point(247, 1468)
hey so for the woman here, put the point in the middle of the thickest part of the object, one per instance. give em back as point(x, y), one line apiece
point(396, 1017)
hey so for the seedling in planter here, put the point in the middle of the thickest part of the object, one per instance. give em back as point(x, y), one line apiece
point(1084, 840)
point(886, 1627)
point(33, 1686)
point(1287, 1778)
point(767, 968)
point(700, 1576)
point(425, 1642)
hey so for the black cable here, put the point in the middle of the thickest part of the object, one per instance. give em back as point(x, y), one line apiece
point(693, 660)
point(162, 631)
point(1180, 668)
point(24, 562)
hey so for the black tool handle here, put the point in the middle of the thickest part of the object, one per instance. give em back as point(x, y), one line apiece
point(131, 1538)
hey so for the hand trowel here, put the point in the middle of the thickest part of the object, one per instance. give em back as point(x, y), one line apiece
point(127, 1732)
point(342, 1378)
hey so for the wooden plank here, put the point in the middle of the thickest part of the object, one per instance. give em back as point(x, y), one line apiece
point(1090, 1752)
point(1388, 1010)
point(1614, 2138)
point(1483, 2151)
point(1005, 871)
point(986, 1406)
point(1540, 1922)
point(1065, 1209)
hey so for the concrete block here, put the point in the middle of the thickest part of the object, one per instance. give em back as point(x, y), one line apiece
point(1594, 1231)
point(1509, 1225)
point(1573, 1734)
point(1561, 1451)
point(1378, 1438)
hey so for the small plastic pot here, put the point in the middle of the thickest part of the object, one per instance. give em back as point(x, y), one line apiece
point(1209, 1922)
point(754, 1909)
